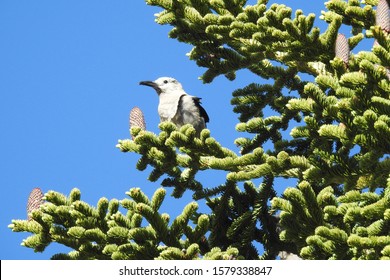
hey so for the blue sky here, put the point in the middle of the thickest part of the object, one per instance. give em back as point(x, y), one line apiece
point(69, 74)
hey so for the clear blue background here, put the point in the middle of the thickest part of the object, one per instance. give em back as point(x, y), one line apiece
point(69, 74)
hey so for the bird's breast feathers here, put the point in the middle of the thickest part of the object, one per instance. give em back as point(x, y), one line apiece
point(168, 105)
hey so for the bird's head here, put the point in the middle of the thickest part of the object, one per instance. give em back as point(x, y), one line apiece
point(163, 84)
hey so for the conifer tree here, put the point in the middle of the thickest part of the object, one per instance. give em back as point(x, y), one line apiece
point(330, 132)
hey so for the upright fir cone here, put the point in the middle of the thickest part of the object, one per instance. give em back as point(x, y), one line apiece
point(382, 19)
point(35, 200)
point(382, 15)
point(342, 48)
point(137, 119)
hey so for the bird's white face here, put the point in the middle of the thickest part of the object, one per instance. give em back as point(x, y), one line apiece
point(166, 84)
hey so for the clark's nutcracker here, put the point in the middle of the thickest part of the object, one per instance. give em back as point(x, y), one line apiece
point(176, 105)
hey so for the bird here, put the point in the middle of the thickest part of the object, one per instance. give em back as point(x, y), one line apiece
point(176, 106)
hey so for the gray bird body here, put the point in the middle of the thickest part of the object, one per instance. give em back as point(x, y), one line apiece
point(176, 105)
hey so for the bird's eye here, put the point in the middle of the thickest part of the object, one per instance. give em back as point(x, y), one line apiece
point(165, 81)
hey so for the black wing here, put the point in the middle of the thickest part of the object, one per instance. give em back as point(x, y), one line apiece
point(202, 111)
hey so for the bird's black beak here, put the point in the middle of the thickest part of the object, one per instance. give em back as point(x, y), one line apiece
point(148, 83)
point(151, 84)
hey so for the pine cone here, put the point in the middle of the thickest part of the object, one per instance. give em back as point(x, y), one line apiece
point(342, 48)
point(382, 15)
point(137, 119)
point(35, 200)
